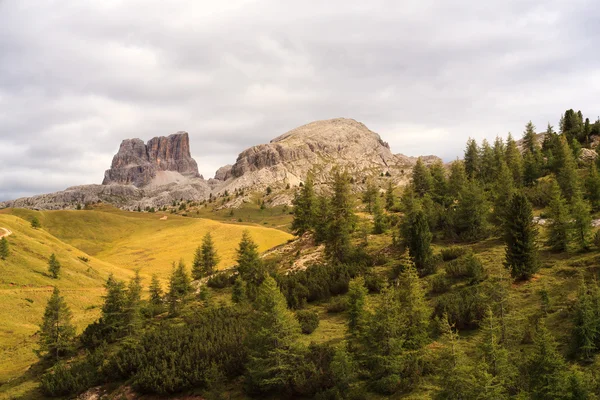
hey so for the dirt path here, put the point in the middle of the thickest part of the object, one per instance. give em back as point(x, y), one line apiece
point(5, 232)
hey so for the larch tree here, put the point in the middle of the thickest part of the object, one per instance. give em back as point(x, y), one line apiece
point(520, 237)
point(559, 224)
point(472, 160)
point(342, 220)
point(206, 258)
point(379, 219)
point(503, 191)
point(439, 189)
point(133, 304)
point(418, 238)
point(114, 310)
point(457, 179)
point(592, 187)
point(304, 210)
point(54, 266)
point(179, 286)
point(156, 299)
point(249, 265)
point(514, 160)
point(369, 195)
point(421, 178)
point(566, 175)
point(545, 365)
point(57, 332)
point(390, 197)
point(582, 221)
point(530, 143)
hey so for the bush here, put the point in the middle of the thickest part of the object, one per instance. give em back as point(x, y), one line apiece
point(440, 283)
point(375, 283)
point(468, 266)
point(465, 308)
point(220, 280)
point(452, 253)
point(337, 305)
point(309, 320)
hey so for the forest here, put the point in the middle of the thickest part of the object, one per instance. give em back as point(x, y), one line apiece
point(478, 280)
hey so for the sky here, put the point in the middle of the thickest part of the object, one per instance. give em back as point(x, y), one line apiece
point(79, 76)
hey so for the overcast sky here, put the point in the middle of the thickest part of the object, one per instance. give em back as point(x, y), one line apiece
point(78, 76)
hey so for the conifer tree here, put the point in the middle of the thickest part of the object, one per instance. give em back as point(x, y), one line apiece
point(582, 221)
point(206, 258)
point(559, 224)
point(487, 163)
point(369, 195)
point(249, 265)
point(418, 240)
point(439, 192)
point(520, 239)
point(592, 187)
point(514, 160)
point(455, 372)
point(304, 207)
point(238, 294)
point(470, 218)
point(179, 286)
point(545, 365)
point(56, 331)
point(503, 191)
point(566, 170)
point(457, 179)
point(35, 223)
point(379, 220)
point(54, 266)
point(322, 215)
point(472, 161)
point(421, 178)
point(114, 309)
point(499, 150)
point(4, 248)
point(272, 357)
point(132, 307)
point(586, 321)
point(342, 220)
point(156, 295)
point(532, 167)
point(530, 143)
point(390, 198)
point(414, 308)
point(357, 297)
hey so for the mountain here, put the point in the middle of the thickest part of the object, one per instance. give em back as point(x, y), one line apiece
point(156, 173)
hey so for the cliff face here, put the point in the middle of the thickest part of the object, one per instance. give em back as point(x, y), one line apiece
point(137, 163)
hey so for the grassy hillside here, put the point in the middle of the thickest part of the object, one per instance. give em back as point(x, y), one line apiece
point(114, 242)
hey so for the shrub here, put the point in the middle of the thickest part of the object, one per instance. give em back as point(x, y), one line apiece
point(309, 320)
point(440, 283)
point(375, 283)
point(337, 305)
point(452, 253)
point(465, 308)
point(468, 266)
point(220, 280)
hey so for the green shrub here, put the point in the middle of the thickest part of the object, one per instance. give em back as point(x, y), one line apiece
point(468, 266)
point(220, 280)
point(440, 283)
point(375, 283)
point(465, 308)
point(452, 253)
point(337, 305)
point(309, 320)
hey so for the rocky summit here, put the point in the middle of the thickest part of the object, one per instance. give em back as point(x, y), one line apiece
point(137, 163)
point(161, 171)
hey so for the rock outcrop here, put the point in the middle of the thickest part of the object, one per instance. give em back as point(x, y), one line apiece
point(137, 163)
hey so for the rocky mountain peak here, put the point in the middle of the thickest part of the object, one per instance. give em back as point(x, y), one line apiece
point(137, 163)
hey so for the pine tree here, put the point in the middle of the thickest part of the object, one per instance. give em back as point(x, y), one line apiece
point(439, 191)
point(470, 218)
point(499, 150)
point(559, 224)
point(390, 198)
point(582, 221)
point(545, 365)
point(114, 309)
point(342, 220)
point(472, 161)
point(586, 321)
point(179, 286)
point(132, 307)
point(357, 297)
point(4, 248)
point(566, 170)
point(514, 160)
point(530, 143)
point(53, 266)
point(156, 295)
point(487, 163)
point(592, 187)
point(455, 372)
point(238, 294)
point(369, 195)
point(421, 178)
point(414, 308)
point(532, 167)
point(520, 238)
point(272, 357)
point(503, 191)
point(249, 265)
point(56, 331)
point(304, 207)
point(205, 259)
point(322, 216)
point(457, 179)
point(418, 240)
point(379, 220)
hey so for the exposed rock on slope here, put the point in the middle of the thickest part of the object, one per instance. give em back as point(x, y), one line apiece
point(137, 163)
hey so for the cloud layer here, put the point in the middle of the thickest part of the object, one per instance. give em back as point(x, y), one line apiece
point(78, 76)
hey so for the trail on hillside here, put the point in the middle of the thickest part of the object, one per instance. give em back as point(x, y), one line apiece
point(7, 232)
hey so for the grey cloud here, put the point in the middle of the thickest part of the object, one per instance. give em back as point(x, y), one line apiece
point(77, 77)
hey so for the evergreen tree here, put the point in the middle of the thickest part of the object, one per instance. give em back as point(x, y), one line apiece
point(559, 225)
point(249, 265)
point(156, 295)
point(532, 167)
point(499, 150)
point(357, 298)
point(566, 170)
point(414, 309)
point(238, 294)
point(57, 331)
point(206, 258)
point(503, 191)
point(592, 187)
point(379, 220)
point(390, 198)
point(272, 357)
point(53, 266)
point(421, 178)
point(469, 221)
point(530, 143)
point(369, 195)
point(304, 207)
point(454, 371)
point(418, 240)
point(514, 160)
point(520, 238)
point(549, 147)
point(472, 161)
point(4, 249)
point(457, 179)
point(586, 321)
point(582, 221)
point(179, 286)
point(342, 220)
point(322, 215)
point(114, 309)
point(35, 223)
point(132, 307)
point(439, 191)
point(545, 366)
point(487, 163)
